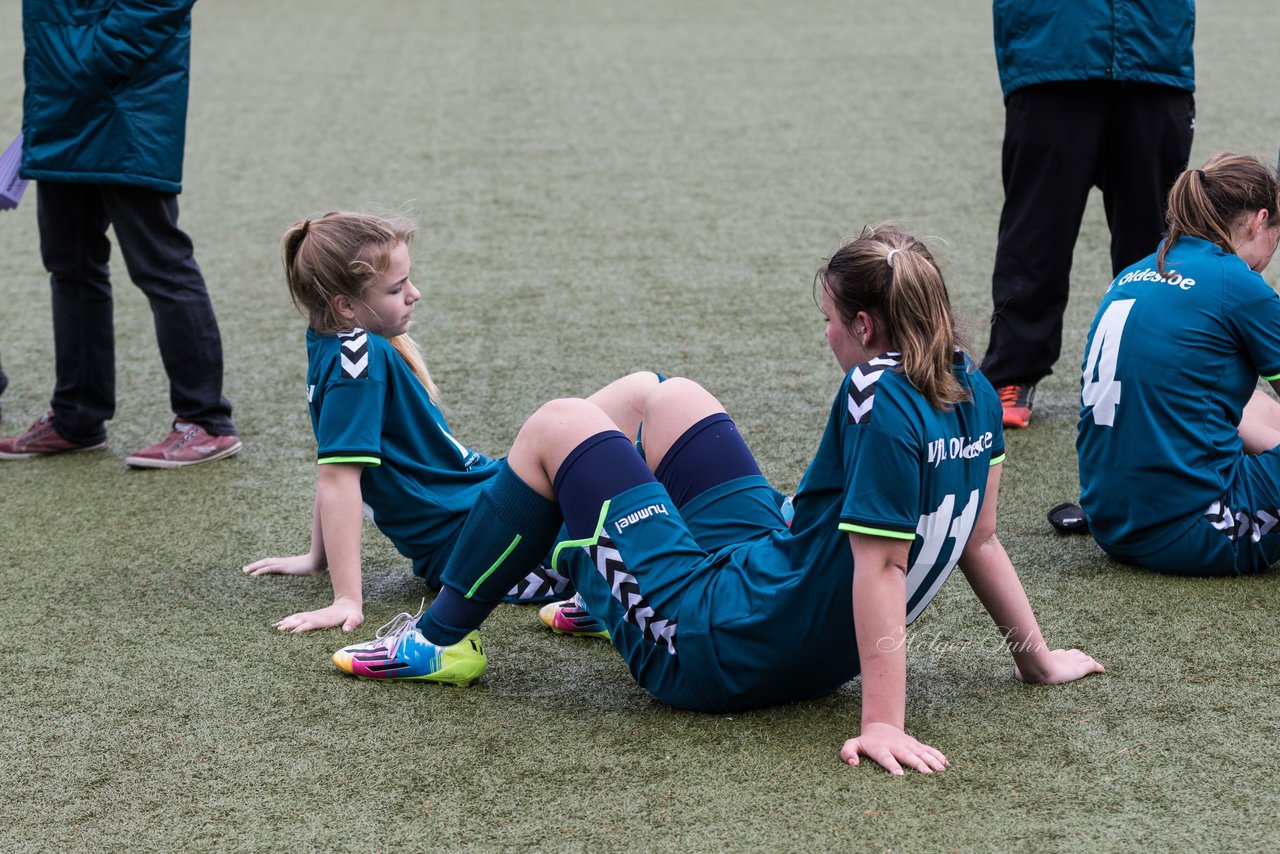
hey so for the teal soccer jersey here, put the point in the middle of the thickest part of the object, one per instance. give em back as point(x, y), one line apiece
point(891, 465)
point(368, 408)
point(770, 619)
point(888, 465)
point(1169, 365)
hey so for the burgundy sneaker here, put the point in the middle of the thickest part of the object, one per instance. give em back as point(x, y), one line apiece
point(41, 439)
point(188, 445)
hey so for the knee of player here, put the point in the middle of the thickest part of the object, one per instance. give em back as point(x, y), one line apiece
point(644, 381)
point(682, 395)
point(560, 419)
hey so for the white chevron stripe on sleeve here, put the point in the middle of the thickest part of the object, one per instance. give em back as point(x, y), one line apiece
point(355, 369)
point(857, 411)
point(862, 380)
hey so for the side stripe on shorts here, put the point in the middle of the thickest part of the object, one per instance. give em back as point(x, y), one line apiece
point(1240, 525)
point(539, 584)
point(626, 589)
point(623, 585)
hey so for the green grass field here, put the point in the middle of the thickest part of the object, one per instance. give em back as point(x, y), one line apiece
point(601, 187)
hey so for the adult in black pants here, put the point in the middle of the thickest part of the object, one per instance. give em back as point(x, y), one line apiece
point(104, 123)
point(1097, 93)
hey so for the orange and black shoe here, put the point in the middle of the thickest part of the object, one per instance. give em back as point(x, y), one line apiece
point(1016, 402)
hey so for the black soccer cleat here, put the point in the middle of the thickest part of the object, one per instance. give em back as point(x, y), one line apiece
point(1068, 519)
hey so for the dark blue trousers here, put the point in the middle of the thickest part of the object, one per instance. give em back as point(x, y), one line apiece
point(73, 222)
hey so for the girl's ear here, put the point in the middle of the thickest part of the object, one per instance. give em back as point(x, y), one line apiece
point(1259, 221)
point(1253, 222)
point(865, 328)
point(344, 307)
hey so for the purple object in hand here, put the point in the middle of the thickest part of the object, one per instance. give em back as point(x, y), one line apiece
point(11, 186)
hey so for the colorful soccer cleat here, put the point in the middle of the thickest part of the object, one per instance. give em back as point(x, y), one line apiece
point(571, 618)
point(400, 651)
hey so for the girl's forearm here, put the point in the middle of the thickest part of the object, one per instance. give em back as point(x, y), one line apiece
point(879, 615)
point(317, 536)
point(339, 518)
point(990, 573)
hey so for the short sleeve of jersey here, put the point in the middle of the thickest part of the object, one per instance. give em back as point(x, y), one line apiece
point(984, 397)
point(1257, 323)
point(883, 461)
point(349, 423)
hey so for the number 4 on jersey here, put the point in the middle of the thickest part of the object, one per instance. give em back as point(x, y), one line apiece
point(1101, 389)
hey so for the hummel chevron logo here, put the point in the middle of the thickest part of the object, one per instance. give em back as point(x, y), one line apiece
point(626, 589)
point(1240, 525)
point(543, 581)
point(862, 386)
point(354, 350)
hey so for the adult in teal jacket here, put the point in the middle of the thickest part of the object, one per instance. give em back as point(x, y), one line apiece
point(104, 124)
point(1097, 93)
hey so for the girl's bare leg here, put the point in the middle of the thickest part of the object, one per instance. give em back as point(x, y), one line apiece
point(624, 400)
point(1260, 423)
point(673, 408)
point(552, 433)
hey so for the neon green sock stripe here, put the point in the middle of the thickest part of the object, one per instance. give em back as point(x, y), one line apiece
point(497, 563)
point(589, 541)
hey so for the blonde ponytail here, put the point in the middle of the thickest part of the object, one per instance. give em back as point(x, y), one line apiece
point(922, 328)
point(889, 274)
point(412, 354)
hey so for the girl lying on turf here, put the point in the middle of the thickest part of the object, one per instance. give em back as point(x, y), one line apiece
point(382, 440)
point(1179, 452)
point(712, 601)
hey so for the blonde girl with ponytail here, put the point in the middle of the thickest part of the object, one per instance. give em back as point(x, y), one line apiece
point(383, 444)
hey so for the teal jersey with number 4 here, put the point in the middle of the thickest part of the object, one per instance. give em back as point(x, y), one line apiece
point(1170, 363)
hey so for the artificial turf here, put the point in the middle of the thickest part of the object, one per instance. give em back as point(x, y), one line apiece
point(601, 187)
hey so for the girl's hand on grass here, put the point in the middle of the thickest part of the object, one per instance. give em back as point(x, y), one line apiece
point(342, 613)
point(1060, 665)
point(891, 748)
point(296, 565)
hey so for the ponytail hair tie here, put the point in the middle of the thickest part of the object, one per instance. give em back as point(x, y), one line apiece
point(889, 258)
point(1200, 172)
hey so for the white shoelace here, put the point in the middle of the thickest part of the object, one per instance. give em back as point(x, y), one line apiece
point(391, 634)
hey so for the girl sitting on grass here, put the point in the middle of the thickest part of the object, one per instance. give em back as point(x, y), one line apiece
point(383, 443)
point(1179, 451)
point(714, 603)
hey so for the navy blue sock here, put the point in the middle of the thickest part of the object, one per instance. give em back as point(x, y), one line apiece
point(598, 469)
point(507, 534)
point(452, 617)
point(709, 453)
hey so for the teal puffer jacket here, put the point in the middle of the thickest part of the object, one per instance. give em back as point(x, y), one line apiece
point(106, 91)
point(1047, 41)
